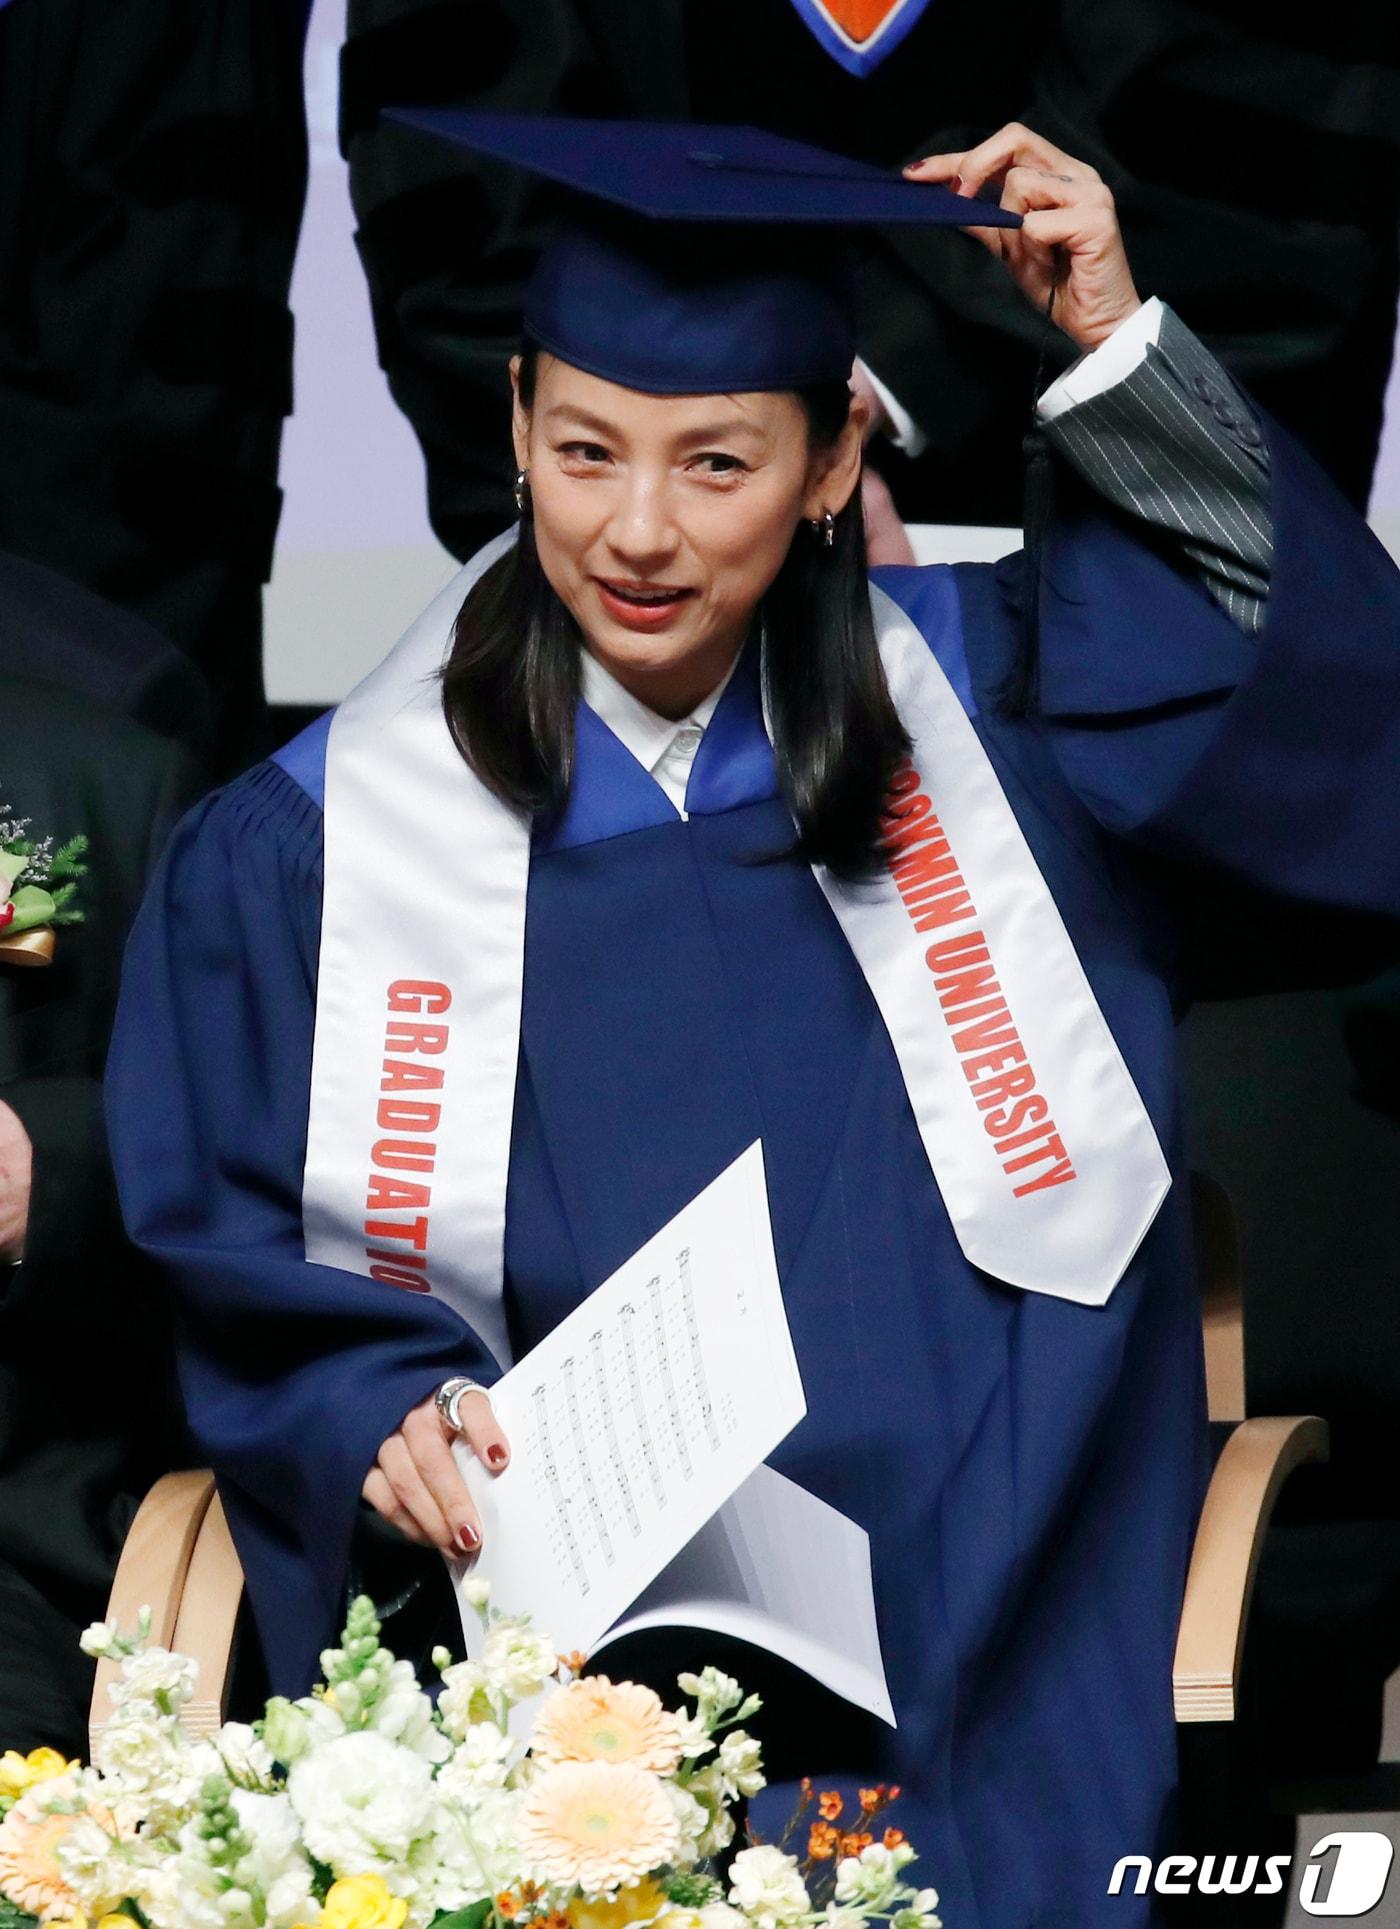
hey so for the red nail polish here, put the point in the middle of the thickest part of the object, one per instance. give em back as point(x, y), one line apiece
point(468, 1537)
point(496, 1456)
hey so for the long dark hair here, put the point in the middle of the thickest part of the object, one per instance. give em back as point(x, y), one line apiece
point(512, 680)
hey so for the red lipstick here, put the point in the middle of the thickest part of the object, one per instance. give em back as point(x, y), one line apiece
point(641, 606)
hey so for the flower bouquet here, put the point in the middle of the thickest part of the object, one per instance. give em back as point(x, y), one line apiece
point(38, 889)
point(368, 1805)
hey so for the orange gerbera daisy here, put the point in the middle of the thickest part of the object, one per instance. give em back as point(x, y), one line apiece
point(597, 1720)
point(29, 1871)
point(596, 1825)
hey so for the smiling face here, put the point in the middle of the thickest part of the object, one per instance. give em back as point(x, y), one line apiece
point(660, 520)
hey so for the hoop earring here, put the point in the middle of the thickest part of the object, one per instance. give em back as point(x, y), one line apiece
point(825, 527)
point(522, 491)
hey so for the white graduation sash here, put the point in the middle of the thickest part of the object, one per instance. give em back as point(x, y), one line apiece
point(1042, 1150)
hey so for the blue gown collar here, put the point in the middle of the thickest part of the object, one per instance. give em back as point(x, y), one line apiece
point(612, 794)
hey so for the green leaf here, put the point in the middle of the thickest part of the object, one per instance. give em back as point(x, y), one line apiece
point(472, 1917)
point(65, 910)
point(12, 862)
point(66, 858)
point(33, 906)
point(689, 1889)
point(13, 1917)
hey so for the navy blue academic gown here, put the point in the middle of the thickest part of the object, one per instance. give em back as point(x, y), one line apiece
point(1030, 1470)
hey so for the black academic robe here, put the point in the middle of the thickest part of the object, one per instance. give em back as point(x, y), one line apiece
point(152, 173)
point(1173, 104)
point(87, 1410)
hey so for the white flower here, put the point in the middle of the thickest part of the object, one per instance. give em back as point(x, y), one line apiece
point(157, 1678)
point(741, 1764)
point(918, 1912)
point(518, 1662)
point(363, 1802)
point(96, 1639)
point(93, 1865)
point(708, 1789)
point(871, 1880)
point(717, 1693)
point(714, 1915)
point(148, 1761)
point(155, 1885)
point(246, 1761)
point(719, 1915)
point(692, 1819)
point(475, 1852)
point(695, 1736)
point(275, 1866)
point(286, 1729)
point(765, 1884)
point(325, 1718)
point(480, 1761)
point(836, 1917)
point(405, 1715)
point(466, 1698)
point(476, 1592)
point(70, 1793)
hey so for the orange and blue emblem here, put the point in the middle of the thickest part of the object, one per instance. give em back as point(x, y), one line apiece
point(860, 33)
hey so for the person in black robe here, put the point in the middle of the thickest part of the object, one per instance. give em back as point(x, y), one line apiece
point(88, 1414)
point(1295, 293)
point(152, 173)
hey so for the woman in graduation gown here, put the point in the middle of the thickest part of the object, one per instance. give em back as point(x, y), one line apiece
point(945, 1005)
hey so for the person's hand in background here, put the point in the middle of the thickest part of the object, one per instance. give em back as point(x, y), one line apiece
point(16, 1166)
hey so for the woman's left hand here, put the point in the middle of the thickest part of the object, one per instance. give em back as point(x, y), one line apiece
point(1070, 220)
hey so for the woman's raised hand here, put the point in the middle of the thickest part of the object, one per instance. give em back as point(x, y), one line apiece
point(415, 1485)
point(1066, 208)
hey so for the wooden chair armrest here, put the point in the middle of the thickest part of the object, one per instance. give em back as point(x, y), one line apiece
point(179, 1561)
point(1222, 1295)
point(1256, 1461)
point(208, 1616)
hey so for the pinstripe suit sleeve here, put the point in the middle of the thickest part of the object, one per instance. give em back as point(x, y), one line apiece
point(1176, 444)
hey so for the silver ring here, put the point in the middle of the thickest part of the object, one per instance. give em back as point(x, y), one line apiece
point(448, 1399)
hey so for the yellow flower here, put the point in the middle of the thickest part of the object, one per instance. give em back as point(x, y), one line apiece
point(596, 1825)
point(642, 1902)
point(80, 1921)
point(361, 1902)
point(595, 1720)
point(19, 1772)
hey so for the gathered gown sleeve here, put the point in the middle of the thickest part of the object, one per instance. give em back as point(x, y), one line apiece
point(1247, 768)
point(293, 1373)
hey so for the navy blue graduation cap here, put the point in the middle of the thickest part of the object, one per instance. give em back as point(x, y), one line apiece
point(694, 259)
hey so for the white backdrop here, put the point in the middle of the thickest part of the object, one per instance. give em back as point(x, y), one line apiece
point(356, 559)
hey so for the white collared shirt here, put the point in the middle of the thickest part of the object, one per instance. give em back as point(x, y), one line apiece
point(1096, 370)
point(664, 747)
